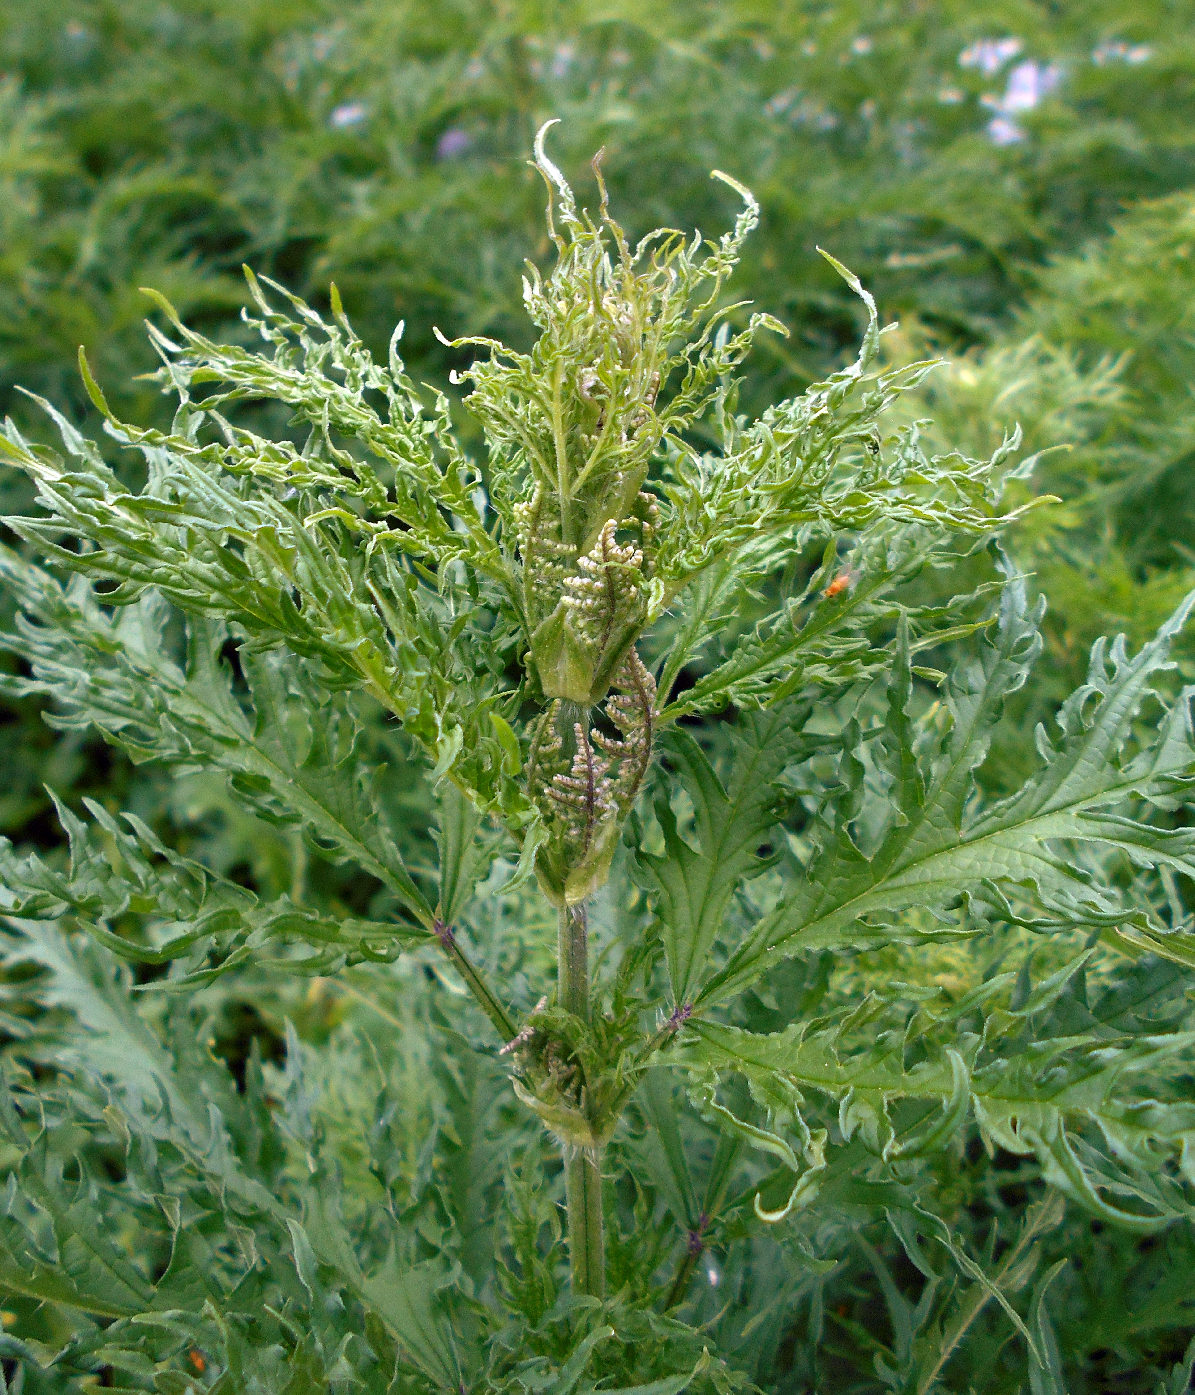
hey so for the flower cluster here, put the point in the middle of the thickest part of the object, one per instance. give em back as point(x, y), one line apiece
point(584, 780)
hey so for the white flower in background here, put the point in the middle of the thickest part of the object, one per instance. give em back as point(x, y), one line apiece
point(990, 55)
point(562, 59)
point(1114, 51)
point(452, 143)
point(347, 115)
point(1027, 84)
point(1002, 131)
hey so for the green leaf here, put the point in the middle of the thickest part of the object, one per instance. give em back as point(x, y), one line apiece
point(404, 1299)
point(1046, 1375)
point(940, 847)
point(661, 1148)
point(692, 887)
point(120, 871)
point(669, 1385)
point(1028, 1096)
point(819, 637)
point(119, 674)
point(464, 852)
point(83, 1269)
point(1015, 1268)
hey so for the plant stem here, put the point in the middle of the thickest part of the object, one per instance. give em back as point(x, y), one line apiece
point(476, 984)
point(680, 1284)
point(563, 488)
point(573, 961)
point(586, 1235)
point(582, 1166)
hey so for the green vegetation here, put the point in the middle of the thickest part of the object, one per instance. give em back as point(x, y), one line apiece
point(548, 882)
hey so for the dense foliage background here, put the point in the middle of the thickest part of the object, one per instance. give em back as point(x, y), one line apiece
point(1016, 185)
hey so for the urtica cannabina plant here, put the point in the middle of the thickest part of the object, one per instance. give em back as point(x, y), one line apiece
point(546, 620)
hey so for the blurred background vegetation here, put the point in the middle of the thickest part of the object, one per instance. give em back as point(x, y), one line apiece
point(1015, 182)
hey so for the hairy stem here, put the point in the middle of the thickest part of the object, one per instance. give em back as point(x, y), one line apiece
point(486, 998)
point(573, 961)
point(582, 1166)
point(680, 1284)
point(586, 1233)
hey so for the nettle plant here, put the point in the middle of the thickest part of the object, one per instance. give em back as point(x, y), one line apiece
point(550, 625)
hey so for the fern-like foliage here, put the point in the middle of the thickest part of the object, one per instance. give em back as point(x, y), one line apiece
point(906, 849)
point(356, 612)
point(286, 745)
point(939, 842)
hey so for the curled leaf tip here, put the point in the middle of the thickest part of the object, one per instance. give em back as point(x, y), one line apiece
point(94, 391)
point(741, 189)
point(542, 159)
point(845, 272)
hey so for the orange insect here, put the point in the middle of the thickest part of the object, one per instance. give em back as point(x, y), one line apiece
point(842, 582)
